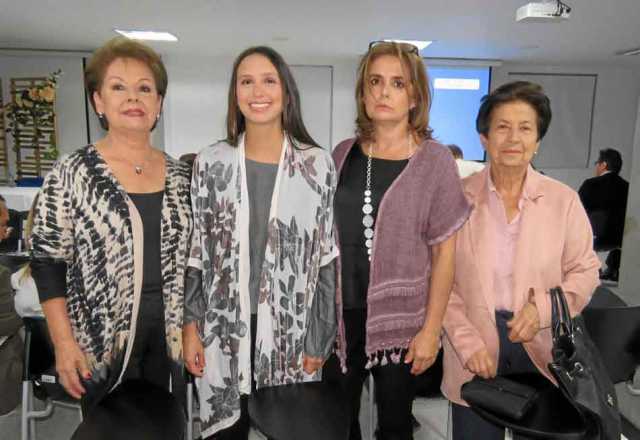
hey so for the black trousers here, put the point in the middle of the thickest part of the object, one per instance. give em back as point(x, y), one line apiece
point(466, 424)
point(394, 384)
point(148, 360)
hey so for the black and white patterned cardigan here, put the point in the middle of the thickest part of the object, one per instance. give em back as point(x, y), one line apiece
point(85, 219)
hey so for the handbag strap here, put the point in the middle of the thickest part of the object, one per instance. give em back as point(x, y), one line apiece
point(561, 321)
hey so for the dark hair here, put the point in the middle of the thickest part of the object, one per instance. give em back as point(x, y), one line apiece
point(291, 114)
point(524, 91)
point(419, 87)
point(2, 199)
point(612, 158)
point(456, 151)
point(121, 47)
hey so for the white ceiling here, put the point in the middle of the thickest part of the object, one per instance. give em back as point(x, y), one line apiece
point(484, 29)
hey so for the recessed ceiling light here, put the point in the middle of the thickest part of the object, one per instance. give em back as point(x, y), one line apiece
point(420, 44)
point(147, 35)
point(629, 52)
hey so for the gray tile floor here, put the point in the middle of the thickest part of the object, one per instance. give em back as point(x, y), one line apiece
point(431, 413)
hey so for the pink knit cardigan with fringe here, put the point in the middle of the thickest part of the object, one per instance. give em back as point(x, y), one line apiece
point(423, 206)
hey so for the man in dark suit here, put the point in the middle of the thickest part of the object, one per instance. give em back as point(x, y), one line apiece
point(605, 199)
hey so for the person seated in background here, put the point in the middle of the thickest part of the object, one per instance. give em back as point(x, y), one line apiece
point(605, 199)
point(188, 158)
point(465, 167)
point(11, 348)
point(27, 302)
point(9, 234)
point(8, 238)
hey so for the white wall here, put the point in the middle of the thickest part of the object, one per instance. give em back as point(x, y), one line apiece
point(196, 104)
point(614, 113)
point(630, 266)
point(70, 110)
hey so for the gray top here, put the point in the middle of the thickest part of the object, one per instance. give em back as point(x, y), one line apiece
point(261, 177)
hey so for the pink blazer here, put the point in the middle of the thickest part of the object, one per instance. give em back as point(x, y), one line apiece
point(555, 248)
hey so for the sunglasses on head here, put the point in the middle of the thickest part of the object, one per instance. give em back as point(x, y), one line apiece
point(405, 47)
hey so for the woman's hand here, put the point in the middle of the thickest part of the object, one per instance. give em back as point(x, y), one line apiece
point(525, 324)
point(193, 350)
point(71, 364)
point(481, 364)
point(311, 364)
point(423, 351)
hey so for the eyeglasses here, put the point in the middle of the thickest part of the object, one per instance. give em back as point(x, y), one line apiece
point(405, 47)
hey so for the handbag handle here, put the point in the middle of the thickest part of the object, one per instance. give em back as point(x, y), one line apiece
point(561, 321)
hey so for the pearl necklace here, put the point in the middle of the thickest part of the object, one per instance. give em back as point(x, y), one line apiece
point(367, 207)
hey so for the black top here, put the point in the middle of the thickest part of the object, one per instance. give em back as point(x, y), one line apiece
point(149, 206)
point(605, 200)
point(348, 203)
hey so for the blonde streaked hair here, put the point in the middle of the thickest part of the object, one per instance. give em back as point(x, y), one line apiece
point(28, 227)
point(418, 89)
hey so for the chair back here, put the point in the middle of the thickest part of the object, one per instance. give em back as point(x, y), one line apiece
point(38, 349)
point(616, 333)
point(40, 361)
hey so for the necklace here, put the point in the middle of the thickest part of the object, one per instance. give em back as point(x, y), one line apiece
point(367, 207)
point(140, 167)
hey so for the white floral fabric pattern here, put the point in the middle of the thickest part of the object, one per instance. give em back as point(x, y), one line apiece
point(300, 241)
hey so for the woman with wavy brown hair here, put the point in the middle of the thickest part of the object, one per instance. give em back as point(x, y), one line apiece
point(399, 204)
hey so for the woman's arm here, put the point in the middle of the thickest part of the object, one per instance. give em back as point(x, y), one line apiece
point(52, 249)
point(424, 347)
point(195, 305)
point(194, 310)
point(579, 264)
point(322, 323)
point(70, 361)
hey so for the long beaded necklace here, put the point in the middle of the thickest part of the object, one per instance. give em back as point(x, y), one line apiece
point(367, 207)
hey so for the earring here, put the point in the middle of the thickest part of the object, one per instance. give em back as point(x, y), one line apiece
point(100, 115)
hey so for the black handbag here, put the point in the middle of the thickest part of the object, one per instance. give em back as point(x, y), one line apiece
point(580, 370)
point(500, 396)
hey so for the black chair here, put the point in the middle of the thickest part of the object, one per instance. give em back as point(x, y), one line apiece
point(135, 410)
point(305, 411)
point(192, 394)
point(616, 332)
point(39, 379)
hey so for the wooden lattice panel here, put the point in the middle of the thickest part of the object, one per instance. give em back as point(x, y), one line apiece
point(32, 138)
point(4, 154)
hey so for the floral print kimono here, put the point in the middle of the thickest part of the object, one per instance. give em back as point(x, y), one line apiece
point(300, 241)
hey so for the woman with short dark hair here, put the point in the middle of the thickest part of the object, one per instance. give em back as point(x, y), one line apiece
point(110, 238)
point(527, 234)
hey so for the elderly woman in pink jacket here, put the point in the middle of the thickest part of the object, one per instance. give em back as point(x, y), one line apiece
point(527, 234)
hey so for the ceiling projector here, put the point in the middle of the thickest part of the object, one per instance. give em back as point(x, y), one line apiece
point(543, 12)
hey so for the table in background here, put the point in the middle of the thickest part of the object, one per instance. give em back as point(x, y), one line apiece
point(19, 198)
